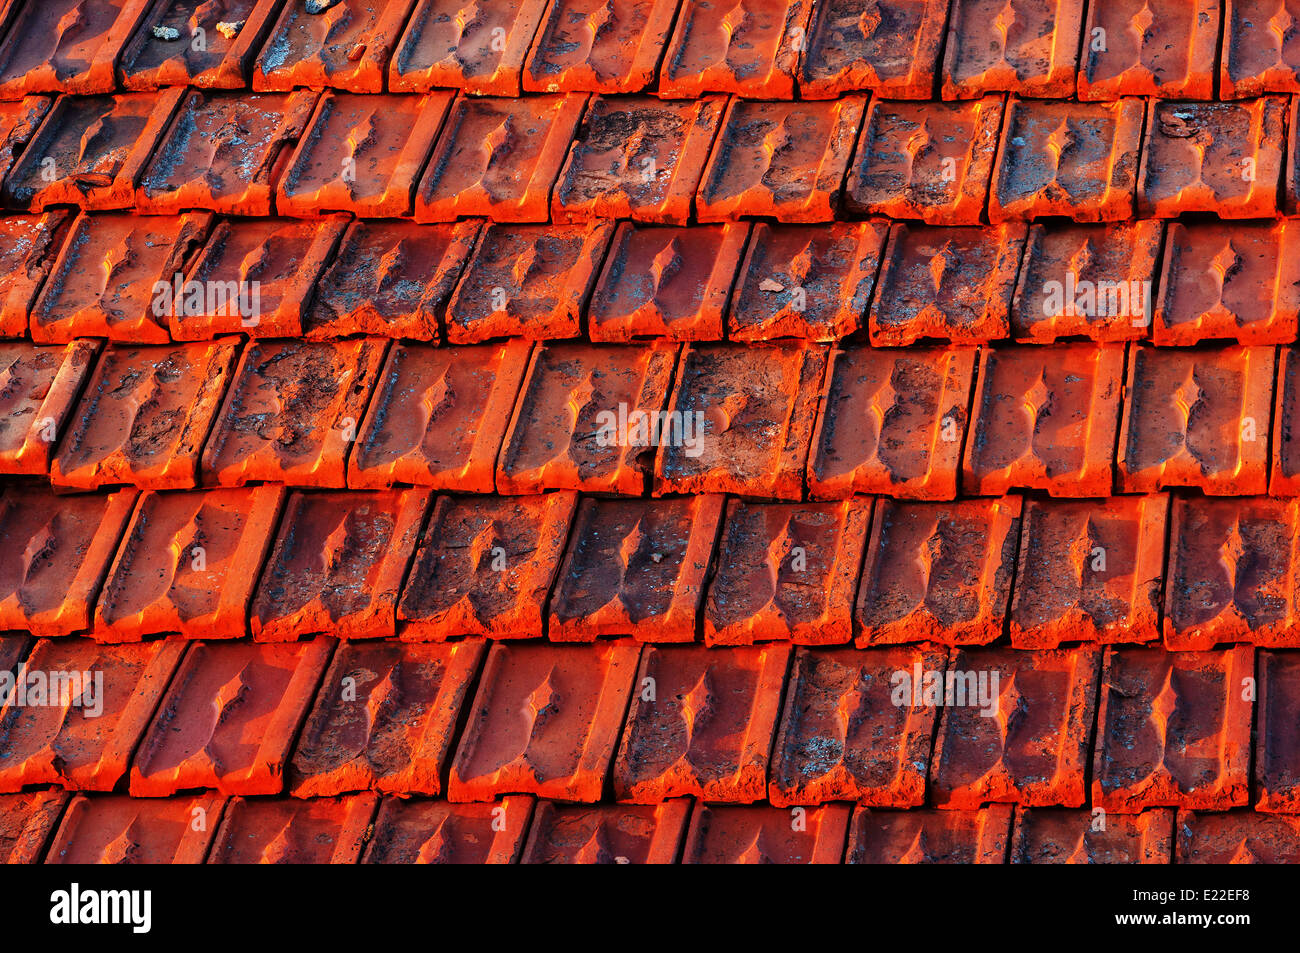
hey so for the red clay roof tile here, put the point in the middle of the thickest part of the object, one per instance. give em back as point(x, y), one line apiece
point(938, 571)
point(116, 829)
point(28, 244)
point(844, 738)
point(94, 704)
point(438, 832)
point(1260, 53)
point(1196, 418)
point(66, 45)
point(888, 46)
point(949, 283)
point(928, 836)
point(188, 563)
point(26, 822)
point(144, 415)
point(1173, 730)
point(438, 416)
point(1026, 46)
point(1238, 837)
point(477, 47)
point(751, 411)
point(384, 718)
point(1285, 478)
point(291, 412)
point(606, 833)
point(54, 553)
point(213, 47)
point(784, 160)
point(766, 835)
point(289, 831)
point(1045, 418)
point(545, 721)
point(346, 45)
point(13, 648)
point(588, 418)
point(229, 718)
point(528, 281)
point(891, 422)
point(1047, 836)
point(666, 282)
point(337, 565)
point(1022, 731)
point(637, 157)
point(787, 571)
point(1169, 51)
point(603, 46)
point(701, 723)
point(19, 121)
point(485, 567)
point(1277, 749)
point(1089, 571)
point(805, 281)
point(40, 385)
point(750, 48)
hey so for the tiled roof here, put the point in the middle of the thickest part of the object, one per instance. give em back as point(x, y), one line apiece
point(670, 431)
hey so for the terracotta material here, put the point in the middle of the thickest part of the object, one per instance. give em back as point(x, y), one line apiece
point(805, 281)
point(751, 410)
point(26, 822)
point(666, 282)
point(585, 419)
point(1285, 478)
point(784, 160)
point(949, 283)
point(842, 736)
point(1046, 836)
point(1089, 571)
point(931, 161)
point(229, 718)
point(636, 157)
point(1164, 48)
point(116, 829)
point(288, 831)
point(28, 244)
point(1093, 281)
point(19, 121)
point(65, 46)
point(527, 281)
point(1261, 50)
point(498, 158)
point(1021, 739)
point(90, 151)
point(391, 279)
point(144, 415)
point(226, 54)
point(337, 565)
point(750, 48)
point(766, 835)
point(40, 387)
point(635, 567)
point(479, 48)
point(347, 45)
point(439, 832)
point(1045, 418)
point(1237, 838)
point(438, 416)
point(485, 567)
point(1027, 46)
point(1173, 730)
point(1224, 158)
point(545, 721)
point(84, 708)
point(938, 571)
point(188, 563)
point(384, 719)
point(788, 572)
point(1277, 769)
point(292, 412)
point(1196, 418)
point(888, 46)
point(892, 422)
point(701, 724)
point(13, 648)
point(54, 553)
point(606, 833)
point(361, 154)
point(605, 46)
point(930, 837)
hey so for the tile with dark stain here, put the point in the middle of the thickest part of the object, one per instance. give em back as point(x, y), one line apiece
point(606, 833)
point(601, 46)
point(1168, 51)
point(890, 47)
point(748, 49)
point(26, 823)
point(1026, 46)
point(1237, 837)
point(927, 836)
point(766, 835)
point(38, 388)
point(1277, 750)
point(232, 32)
point(28, 246)
point(343, 44)
point(475, 47)
point(420, 831)
point(68, 46)
point(1056, 836)
point(1261, 49)
point(324, 830)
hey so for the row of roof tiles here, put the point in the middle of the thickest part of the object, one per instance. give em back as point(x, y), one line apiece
point(679, 48)
point(567, 158)
point(366, 829)
point(892, 727)
point(771, 421)
point(226, 563)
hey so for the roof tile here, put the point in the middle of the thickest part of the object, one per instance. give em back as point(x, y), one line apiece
point(927, 836)
point(1239, 837)
point(337, 565)
point(45, 739)
point(635, 566)
point(13, 648)
point(892, 422)
point(188, 563)
point(750, 48)
point(843, 737)
point(1285, 478)
point(229, 718)
point(40, 387)
point(232, 32)
point(26, 822)
point(477, 47)
point(1277, 749)
point(545, 721)
point(116, 829)
point(345, 45)
point(603, 46)
point(438, 832)
point(1173, 730)
point(606, 833)
point(1048, 836)
point(65, 45)
point(1027, 46)
point(1260, 53)
point(485, 567)
point(19, 120)
point(888, 46)
point(289, 831)
point(384, 718)
point(28, 245)
point(766, 835)
point(1168, 51)
point(939, 571)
